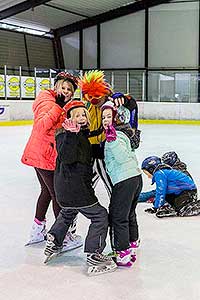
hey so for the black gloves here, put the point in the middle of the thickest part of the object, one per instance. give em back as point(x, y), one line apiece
point(151, 210)
point(60, 100)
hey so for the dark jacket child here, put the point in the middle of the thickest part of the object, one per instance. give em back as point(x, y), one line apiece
point(173, 187)
point(122, 167)
point(73, 187)
point(171, 158)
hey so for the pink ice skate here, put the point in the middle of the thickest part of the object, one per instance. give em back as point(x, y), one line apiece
point(133, 248)
point(123, 258)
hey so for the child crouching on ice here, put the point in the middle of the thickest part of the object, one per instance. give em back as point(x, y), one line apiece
point(73, 187)
point(122, 167)
point(172, 159)
point(172, 187)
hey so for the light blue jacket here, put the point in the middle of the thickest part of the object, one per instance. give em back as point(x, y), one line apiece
point(120, 159)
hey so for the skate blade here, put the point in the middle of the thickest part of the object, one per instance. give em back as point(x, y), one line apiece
point(33, 243)
point(166, 216)
point(72, 248)
point(51, 257)
point(99, 270)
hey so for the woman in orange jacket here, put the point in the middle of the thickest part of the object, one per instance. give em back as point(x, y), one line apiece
point(40, 153)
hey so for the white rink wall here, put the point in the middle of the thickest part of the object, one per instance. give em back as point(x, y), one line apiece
point(22, 110)
point(167, 111)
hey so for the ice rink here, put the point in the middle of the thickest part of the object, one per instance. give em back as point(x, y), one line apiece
point(168, 261)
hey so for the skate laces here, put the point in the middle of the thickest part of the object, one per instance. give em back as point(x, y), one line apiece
point(123, 253)
point(103, 257)
point(70, 237)
point(51, 247)
point(98, 258)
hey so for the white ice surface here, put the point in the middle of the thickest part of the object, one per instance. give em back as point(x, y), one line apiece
point(168, 263)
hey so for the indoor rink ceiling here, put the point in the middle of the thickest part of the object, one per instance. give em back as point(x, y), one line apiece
point(59, 14)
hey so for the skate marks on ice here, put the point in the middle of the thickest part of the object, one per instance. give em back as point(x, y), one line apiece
point(73, 257)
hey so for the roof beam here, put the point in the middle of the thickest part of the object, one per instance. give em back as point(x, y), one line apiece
point(66, 10)
point(18, 8)
point(107, 16)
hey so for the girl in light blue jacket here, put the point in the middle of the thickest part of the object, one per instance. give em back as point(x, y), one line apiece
point(122, 167)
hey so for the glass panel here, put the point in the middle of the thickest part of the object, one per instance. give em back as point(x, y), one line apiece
point(137, 84)
point(71, 46)
point(123, 42)
point(126, 81)
point(90, 48)
point(173, 86)
point(174, 35)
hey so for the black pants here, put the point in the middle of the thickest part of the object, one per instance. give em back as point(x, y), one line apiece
point(180, 201)
point(96, 237)
point(46, 180)
point(122, 215)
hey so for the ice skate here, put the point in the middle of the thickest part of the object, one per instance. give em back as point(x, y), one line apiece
point(100, 264)
point(166, 211)
point(38, 233)
point(133, 250)
point(51, 250)
point(101, 269)
point(192, 209)
point(123, 258)
point(71, 241)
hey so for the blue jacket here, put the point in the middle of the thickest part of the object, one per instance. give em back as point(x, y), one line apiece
point(169, 181)
point(120, 159)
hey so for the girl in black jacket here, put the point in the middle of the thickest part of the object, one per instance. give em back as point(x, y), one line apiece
point(73, 187)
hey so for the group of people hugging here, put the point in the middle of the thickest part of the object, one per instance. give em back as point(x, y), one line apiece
point(74, 143)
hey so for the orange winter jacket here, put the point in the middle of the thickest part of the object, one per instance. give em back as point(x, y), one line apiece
point(40, 150)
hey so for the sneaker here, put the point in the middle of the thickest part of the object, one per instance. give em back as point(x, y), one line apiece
point(166, 211)
point(97, 259)
point(51, 247)
point(38, 233)
point(123, 258)
point(72, 241)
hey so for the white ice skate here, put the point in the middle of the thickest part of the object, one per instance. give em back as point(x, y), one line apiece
point(71, 242)
point(100, 264)
point(101, 269)
point(38, 233)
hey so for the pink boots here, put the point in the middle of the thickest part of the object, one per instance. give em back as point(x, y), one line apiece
point(123, 258)
point(126, 257)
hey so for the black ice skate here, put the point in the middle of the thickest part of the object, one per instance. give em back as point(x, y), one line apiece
point(51, 250)
point(166, 211)
point(192, 209)
point(100, 264)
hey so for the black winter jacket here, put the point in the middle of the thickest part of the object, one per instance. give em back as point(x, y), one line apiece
point(73, 173)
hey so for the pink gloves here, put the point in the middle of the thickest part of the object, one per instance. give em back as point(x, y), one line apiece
point(111, 134)
point(71, 126)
